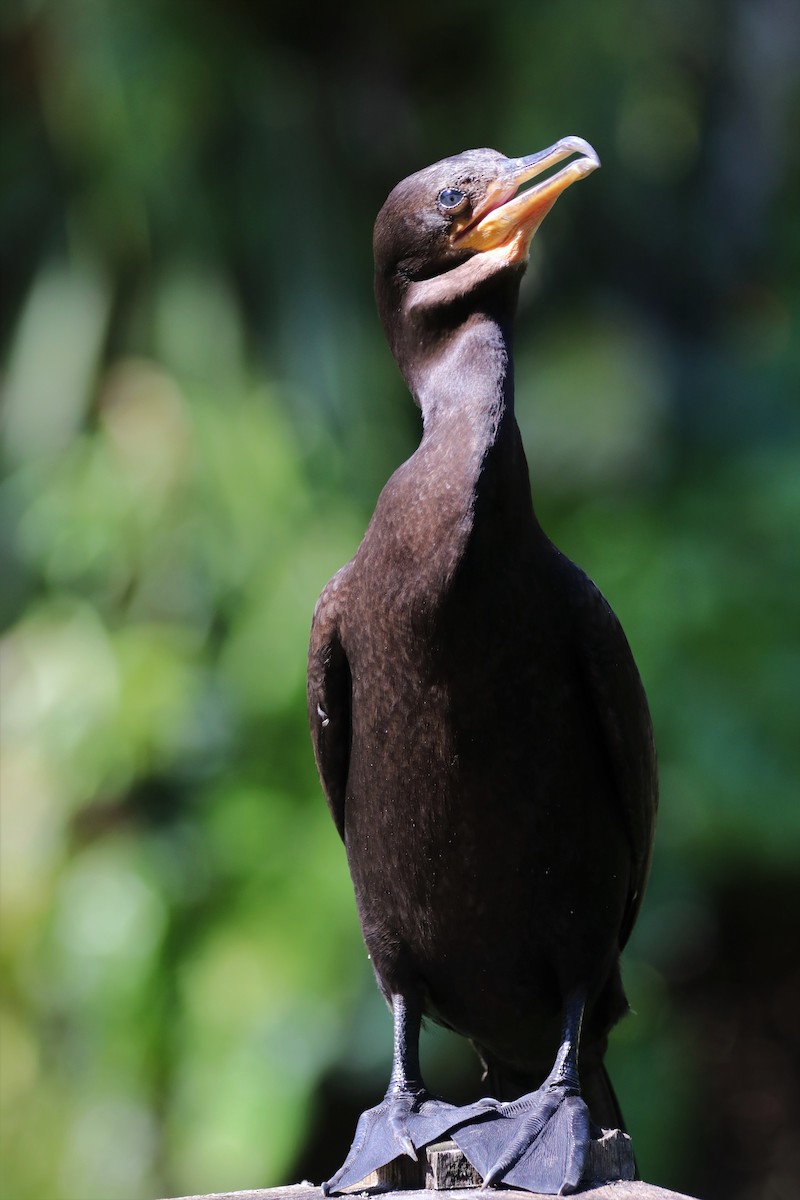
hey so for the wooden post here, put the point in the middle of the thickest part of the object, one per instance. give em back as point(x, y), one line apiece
point(621, 1190)
point(444, 1168)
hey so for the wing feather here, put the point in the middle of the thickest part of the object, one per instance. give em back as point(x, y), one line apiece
point(620, 704)
point(329, 700)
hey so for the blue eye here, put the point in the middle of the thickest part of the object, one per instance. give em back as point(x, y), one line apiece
point(451, 200)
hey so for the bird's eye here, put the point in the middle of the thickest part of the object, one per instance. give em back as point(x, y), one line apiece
point(451, 200)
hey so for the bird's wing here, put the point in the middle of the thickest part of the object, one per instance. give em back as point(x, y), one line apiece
point(620, 703)
point(329, 698)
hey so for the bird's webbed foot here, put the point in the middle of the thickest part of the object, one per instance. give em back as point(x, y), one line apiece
point(406, 1120)
point(538, 1143)
point(409, 1116)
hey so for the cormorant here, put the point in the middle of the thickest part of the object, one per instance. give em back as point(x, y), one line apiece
point(479, 725)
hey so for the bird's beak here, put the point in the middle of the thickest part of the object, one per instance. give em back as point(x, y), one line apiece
point(509, 218)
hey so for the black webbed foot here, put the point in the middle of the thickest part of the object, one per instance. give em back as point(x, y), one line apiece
point(404, 1122)
point(538, 1143)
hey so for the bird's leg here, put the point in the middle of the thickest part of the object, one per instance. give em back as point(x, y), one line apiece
point(409, 1116)
point(406, 1088)
point(540, 1141)
point(565, 1068)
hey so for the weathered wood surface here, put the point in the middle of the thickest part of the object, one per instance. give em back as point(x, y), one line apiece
point(444, 1168)
point(621, 1190)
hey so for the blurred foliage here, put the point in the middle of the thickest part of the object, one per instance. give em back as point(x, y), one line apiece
point(198, 413)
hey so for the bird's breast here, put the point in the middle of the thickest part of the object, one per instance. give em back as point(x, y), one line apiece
point(474, 755)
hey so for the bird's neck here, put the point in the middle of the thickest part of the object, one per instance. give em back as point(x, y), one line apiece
point(465, 382)
point(465, 494)
point(471, 440)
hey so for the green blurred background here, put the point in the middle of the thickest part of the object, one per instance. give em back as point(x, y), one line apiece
point(199, 412)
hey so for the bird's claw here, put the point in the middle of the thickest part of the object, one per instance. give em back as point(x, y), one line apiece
point(401, 1135)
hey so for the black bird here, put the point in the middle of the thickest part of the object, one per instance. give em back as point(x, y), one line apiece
point(480, 728)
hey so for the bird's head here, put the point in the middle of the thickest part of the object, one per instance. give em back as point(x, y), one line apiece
point(456, 236)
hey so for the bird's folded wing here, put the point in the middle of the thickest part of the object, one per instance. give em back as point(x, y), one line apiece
point(329, 700)
point(614, 684)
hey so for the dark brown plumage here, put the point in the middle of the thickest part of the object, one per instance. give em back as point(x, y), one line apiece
point(479, 724)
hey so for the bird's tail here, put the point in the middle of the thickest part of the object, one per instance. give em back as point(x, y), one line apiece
point(596, 1087)
point(601, 1099)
